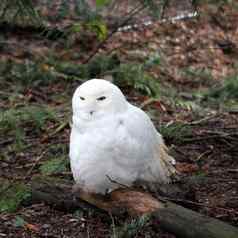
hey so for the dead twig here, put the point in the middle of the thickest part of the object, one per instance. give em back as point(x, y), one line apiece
point(202, 155)
point(135, 11)
point(35, 163)
point(114, 181)
point(205, 119)
point(148, 102)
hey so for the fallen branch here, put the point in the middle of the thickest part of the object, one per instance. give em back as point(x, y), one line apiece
point(56, 193)
point(35, 163)
point(203, 120)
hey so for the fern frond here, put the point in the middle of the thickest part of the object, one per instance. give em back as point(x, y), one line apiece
point(19, 10)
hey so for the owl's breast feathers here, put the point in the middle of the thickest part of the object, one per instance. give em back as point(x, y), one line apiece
point(125, 147)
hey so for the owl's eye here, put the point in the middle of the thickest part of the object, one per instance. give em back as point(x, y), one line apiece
point(82, 98)
point(101, 98)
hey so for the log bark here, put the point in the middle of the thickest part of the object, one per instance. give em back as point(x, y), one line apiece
point(173, 218)
point(57, 193)
point(186, 223)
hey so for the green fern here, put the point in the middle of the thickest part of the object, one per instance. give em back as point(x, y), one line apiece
point(12, 195)
point(28, 73)
point(202, 75)
point(99, 27)
point(55, 165)
point(176, 131)
point(227, 91)
point(13, 121)
point(135, 76)
point(19, 10)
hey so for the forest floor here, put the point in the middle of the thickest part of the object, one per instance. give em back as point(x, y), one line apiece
point(190, 90)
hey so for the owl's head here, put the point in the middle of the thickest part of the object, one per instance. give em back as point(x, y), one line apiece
point(97, 98)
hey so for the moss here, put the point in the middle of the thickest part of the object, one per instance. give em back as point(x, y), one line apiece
point(227, 91)
point(176, 132)
point(55, 165)
point(12, 195)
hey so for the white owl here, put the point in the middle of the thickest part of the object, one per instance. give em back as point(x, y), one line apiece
point(113, 142)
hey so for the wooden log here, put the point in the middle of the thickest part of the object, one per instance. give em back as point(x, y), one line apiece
point(186, 223)
point(56, 193)
point(173, 218)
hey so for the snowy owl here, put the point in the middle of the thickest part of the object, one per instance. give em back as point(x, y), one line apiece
point(112, 142)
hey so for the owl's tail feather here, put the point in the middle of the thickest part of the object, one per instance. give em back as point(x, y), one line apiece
point(167, 162)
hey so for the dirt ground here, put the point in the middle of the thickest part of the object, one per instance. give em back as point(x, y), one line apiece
point(197, 55)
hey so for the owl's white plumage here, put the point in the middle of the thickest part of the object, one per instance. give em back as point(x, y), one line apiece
point(112, 140)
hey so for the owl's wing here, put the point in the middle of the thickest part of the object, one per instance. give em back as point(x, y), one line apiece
point(158, 163)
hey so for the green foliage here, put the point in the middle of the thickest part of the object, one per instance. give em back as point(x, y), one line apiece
point(96, 26)
point(176, 132)
point(188, 105)
point(134, 75)
point(13, 121)
point(102, 65)
point(202, 75)
point(55, 165)
point(131, 229)
point(102, 3)
point(99, 27)
point(28, 72)
point(19, 221)
point(19, 10)
point(75, 28)
point(12, 195)
point(228, 91)
point(34, 114)
point(97, 67)
point(155, 60)
point(78, 70)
